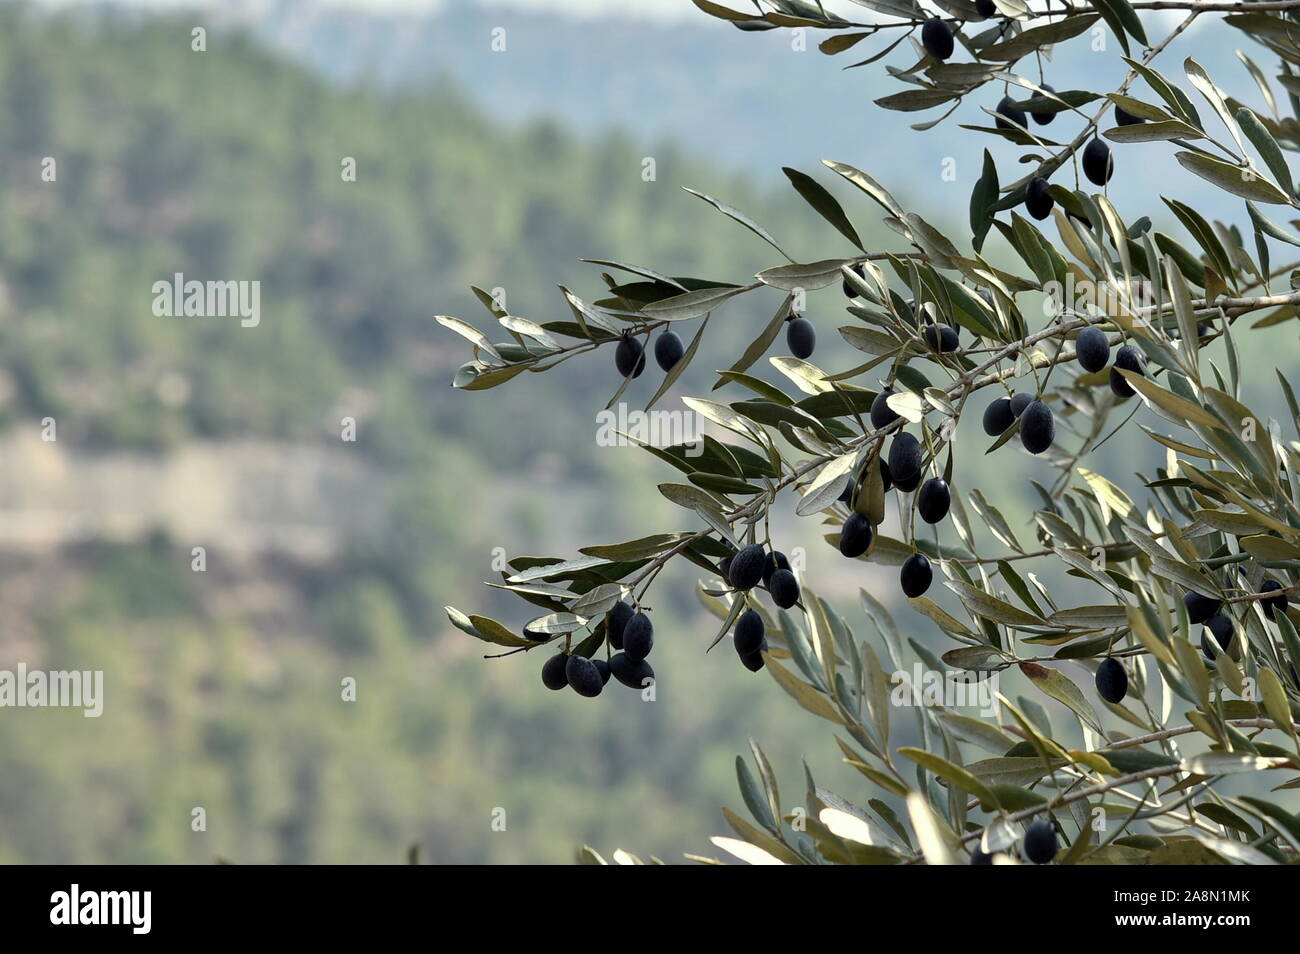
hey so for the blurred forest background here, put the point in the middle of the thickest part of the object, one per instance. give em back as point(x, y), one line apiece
point(329, 559)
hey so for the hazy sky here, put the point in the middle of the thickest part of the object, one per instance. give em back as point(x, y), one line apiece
point(659, 9)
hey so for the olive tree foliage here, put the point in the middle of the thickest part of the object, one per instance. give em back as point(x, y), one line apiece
point(1178, 711)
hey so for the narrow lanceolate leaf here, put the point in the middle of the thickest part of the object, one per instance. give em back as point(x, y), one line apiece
point(1238, 180)
point(1213, 95)
point(480, 627)
point(982, 199)
point(1266, 146)
point(639, 549)
point(1230, 763)
point(934, 836)
point(1037, 37)
point(692, 304)
point(1177, 408)
point(990, 607)
point(599, 600)
point(562, 570)
point(826, 486)
point(738, 216)
point(1060, 688)
point(804, 694)
point(912, 100)
point(468, 331)
point(755, 349)
point(815, 194)
point(951, 773)
point(867, 184)
point(808, 275)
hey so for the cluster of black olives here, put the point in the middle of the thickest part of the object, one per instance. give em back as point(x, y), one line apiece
point(744, 570)
point(627, 630)
point(629, 356)
point(1092, 350)
point(1216, 635)
point(901, 468)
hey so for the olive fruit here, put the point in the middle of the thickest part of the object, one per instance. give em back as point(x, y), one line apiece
point(1127, 358)
point(886, 477)
point(1019, 402)
point(537, 636)
point(1200, 608)
point(638, 637)
point(668, 350)
point(1092, 349)
point(553, 675)
point(1273, 603)
point(616, 622)
point(1038, 198)
point(1098, 165)
point(629, 357)
point(583, 676)
point(801, 337)
point(1046, 116)
point(747, 567)
point(1040, 842)
point(882, 415)
point(1037, 428)
point(936, 37)
point(849, 290)
point(632, 673)
point(933, 501)
point(1220, 627)
point(776, 560)
point(1125, 118)
point(986, 8)
point(602, 667)
point(1010, 116)
point(784, 589)
point(855, 535)
point(749, 632)
point(905, 461)
point(998, 417)
point(754, 661)
point(978, 856)
point(941, 338)
point(916, 575)
point(1112, 680)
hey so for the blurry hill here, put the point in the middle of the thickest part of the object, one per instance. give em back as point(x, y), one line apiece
point(326, 559)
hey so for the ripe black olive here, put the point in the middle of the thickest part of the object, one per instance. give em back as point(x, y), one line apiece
point(1092, 349)
point(916, 575)
point(1112, 680)
point(747, 567)
point(1037, 428)
point(1040, 842)
point(553, 676)
point(1098, 165)
point(1038, 198)
point(668, 350)
point(629, 357)
point(855, 535)
point(933, 501)
point(638, 637)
